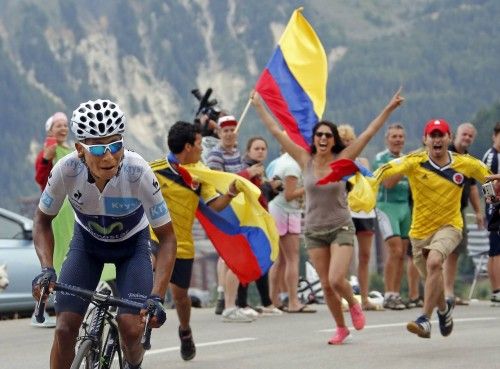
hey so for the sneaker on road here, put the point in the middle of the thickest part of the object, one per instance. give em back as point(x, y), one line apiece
point(445, 320)
point(248, 311)
point(357, 316)
point(394, 303)
point(341, 336)
point(421, 327)
point(271, 310)
point(495, 297)
point(234, 315)
point(219, 306)
point(188, 349)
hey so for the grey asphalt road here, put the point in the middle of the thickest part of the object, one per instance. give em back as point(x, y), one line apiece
point(295, 341)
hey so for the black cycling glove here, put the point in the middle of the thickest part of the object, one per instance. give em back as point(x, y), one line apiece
point(154, 305)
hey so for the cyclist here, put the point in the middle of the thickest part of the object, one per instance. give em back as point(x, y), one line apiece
point(115, 195)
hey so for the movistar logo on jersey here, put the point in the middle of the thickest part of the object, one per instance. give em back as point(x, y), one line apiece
point(105, 231)
point(120, 205)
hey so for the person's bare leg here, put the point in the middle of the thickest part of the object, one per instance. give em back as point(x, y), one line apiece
point(320, 258)
point(339, 266)
point(413, 280)
point(221, 275)
point(494, 272)
point(63, 346)
point(290, 249)
point(276, 276)
point(131, 328)
point(365, 244)
point(182, 305)
point(231, 289)
point(393, 247)
point(450, 271)
point(434, 287)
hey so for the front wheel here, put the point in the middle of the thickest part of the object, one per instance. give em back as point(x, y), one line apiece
point(111, 352)
point(84, 358)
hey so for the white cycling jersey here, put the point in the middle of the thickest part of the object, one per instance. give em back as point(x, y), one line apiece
point(130, 201)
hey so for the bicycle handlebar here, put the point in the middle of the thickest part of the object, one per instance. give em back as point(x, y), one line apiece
point(96, 297)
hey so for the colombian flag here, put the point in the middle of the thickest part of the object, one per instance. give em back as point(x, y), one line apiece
point(293, 84)
point(244, 233)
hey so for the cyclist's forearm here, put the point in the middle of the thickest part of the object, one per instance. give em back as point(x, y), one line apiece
point(165, 258)
point(43, 238)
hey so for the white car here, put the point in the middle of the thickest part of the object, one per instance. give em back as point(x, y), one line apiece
point(18, 263)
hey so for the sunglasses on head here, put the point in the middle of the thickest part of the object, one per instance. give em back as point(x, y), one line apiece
point(326, 134)
point(100, 150)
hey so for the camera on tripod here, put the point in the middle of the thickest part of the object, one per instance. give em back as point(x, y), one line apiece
point(207, 106)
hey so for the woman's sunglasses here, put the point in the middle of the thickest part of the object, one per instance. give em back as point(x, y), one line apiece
point(100, 150)
point(326, 134)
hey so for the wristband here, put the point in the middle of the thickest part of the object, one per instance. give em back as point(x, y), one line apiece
point(156, 298)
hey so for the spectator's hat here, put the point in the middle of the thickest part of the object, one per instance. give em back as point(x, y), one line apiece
point(57, 116)
point(437, 125)
point(227, 121)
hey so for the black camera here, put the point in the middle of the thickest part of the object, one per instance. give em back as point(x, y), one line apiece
point(207, 106)
point(280, 187)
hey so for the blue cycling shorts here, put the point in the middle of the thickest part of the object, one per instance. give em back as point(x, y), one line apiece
point(85, 261)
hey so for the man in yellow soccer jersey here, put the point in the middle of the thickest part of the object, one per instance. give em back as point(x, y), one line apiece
point(182, 194)
point(436, 177)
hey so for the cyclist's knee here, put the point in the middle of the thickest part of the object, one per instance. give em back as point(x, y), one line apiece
point(130, 328)
point(67, 329)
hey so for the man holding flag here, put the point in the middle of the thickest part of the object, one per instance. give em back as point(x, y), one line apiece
point(186, 185)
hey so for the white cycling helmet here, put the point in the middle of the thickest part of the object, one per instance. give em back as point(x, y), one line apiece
point(99, 118)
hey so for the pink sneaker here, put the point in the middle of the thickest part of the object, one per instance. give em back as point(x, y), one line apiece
point(341, 335)
point(357, 316)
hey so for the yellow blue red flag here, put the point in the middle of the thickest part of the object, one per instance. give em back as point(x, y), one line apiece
point(244, 233)
point(293, 84)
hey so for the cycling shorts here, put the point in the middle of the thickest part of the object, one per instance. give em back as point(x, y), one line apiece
point(364, 225)
point(84, 263)
point(494, 238)
point(394, 219)
point(181, 274)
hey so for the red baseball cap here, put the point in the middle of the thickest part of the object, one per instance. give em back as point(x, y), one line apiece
point(437, 125)
point(227, 121)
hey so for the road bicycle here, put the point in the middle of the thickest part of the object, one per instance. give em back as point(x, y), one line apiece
point(98, 344)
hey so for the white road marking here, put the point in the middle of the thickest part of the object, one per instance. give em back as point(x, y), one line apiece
point(213, 343)
point(375, 326)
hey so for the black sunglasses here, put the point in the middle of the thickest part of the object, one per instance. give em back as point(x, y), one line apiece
point(326, 134)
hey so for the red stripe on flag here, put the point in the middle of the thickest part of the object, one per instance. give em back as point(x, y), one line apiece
point(233, 249)
point(270, 92)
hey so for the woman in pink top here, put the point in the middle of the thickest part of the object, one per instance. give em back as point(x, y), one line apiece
point(329, 229)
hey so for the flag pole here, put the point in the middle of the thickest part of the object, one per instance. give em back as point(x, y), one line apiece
point(243, 115)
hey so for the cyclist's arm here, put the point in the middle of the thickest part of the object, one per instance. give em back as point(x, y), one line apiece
point(43, 238)
point(165, 258)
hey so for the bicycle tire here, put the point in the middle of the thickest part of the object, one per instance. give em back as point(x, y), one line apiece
point(84, 357)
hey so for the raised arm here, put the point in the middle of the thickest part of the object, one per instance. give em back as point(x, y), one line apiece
point(300, 155)
point(354, 149)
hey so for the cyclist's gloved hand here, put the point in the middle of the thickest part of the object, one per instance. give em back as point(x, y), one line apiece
point(154, 306)
point(47, 277)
